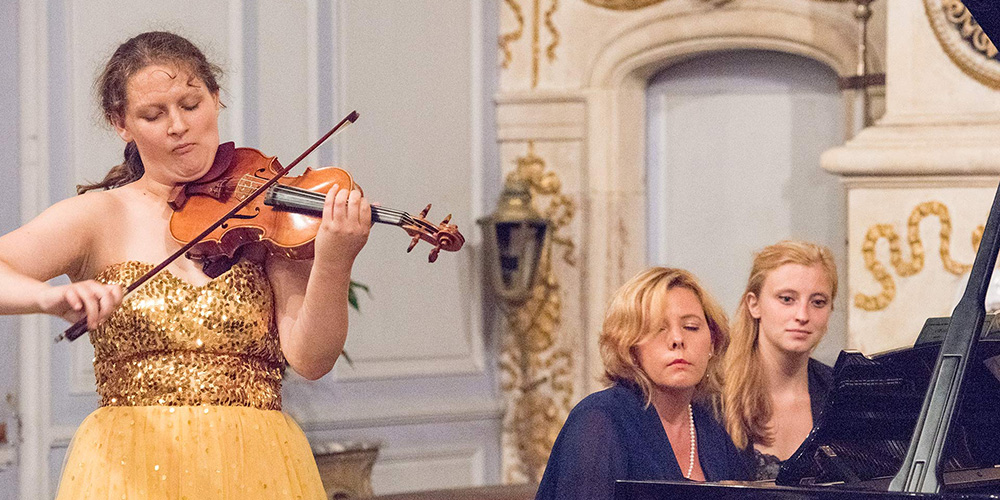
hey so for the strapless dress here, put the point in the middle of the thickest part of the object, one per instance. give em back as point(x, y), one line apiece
point(190, 385)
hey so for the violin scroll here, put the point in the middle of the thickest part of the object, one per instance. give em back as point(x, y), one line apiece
point(444, 236)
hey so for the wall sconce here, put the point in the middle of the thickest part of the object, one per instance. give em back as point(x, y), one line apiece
point(515, 236)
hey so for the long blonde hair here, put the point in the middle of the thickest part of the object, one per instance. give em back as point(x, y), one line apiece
point(627, 324)
point(746, 402)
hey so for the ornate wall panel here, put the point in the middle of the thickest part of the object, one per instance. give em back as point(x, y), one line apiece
point(911, 243)
point(937, 141)
point(428, 469)
point(537, 369)
point(533, 22)
point(383, 150)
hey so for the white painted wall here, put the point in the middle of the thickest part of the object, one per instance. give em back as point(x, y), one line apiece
point(421, 73)
point(734, 140)
point(9, 217)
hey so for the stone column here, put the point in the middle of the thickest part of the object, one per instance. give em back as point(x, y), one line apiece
point(920, 181)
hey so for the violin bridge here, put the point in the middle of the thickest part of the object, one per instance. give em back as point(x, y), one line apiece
point(245, 187)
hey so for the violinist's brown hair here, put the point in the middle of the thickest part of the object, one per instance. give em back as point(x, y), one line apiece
point(746, 402)
point(153, 47)
point(627, 324)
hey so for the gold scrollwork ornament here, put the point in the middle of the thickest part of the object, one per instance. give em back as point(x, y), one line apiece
point(536, 371)
point(623, 4)
point(916, 263)
point(640, 4)
point(538, 18)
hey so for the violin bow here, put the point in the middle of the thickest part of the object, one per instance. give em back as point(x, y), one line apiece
point(80, 327)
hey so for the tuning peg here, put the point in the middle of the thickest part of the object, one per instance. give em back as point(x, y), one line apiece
point(413, 243)
point(446, 220)
point(433, 256)
point(423, 213)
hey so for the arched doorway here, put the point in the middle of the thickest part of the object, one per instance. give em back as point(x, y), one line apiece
point(732, 157)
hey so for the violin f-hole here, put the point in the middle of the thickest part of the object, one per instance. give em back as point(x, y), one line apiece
point(256, 212)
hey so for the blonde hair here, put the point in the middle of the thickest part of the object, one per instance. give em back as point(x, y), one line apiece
point(627, 323)
point(746, 403)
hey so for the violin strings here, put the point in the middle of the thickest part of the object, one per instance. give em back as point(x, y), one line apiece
point(319, 197)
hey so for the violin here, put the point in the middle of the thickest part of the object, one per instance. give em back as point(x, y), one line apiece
point(286, 219)
point(225, 205)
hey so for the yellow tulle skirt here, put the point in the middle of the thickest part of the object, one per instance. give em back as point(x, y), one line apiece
point(193, 452)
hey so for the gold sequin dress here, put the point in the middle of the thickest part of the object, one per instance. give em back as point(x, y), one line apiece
point(190, 386)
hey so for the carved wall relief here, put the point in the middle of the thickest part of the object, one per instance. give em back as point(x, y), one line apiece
point(536, 368)
point(537, 19)
point(916, 263)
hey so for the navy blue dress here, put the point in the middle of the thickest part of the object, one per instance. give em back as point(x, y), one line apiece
point(612, 435)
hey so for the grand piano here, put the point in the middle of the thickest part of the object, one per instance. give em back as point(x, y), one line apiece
point(862, 437)
point(922, 422)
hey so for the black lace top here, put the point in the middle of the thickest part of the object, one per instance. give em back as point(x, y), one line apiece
point(765, 466)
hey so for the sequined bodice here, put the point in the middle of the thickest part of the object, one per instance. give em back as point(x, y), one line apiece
point(175, 344)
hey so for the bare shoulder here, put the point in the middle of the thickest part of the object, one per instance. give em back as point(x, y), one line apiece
point(63, 239)
point(86, 217)
point(84, 208)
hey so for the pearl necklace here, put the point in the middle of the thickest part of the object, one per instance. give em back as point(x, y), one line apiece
point(691, 431)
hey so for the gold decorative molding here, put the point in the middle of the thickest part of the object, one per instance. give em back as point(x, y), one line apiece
point(536, 372)
point(623, 238)
point(623, 4)
point(507, 38)
point(537, 20)
point(561, 209)
point(963, 40)
point(639, 4)
point(916, 262)
point(550, 50)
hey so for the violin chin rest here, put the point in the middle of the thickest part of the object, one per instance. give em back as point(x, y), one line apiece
point(215, 265)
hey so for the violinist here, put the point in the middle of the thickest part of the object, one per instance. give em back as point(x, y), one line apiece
point(188, 367)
